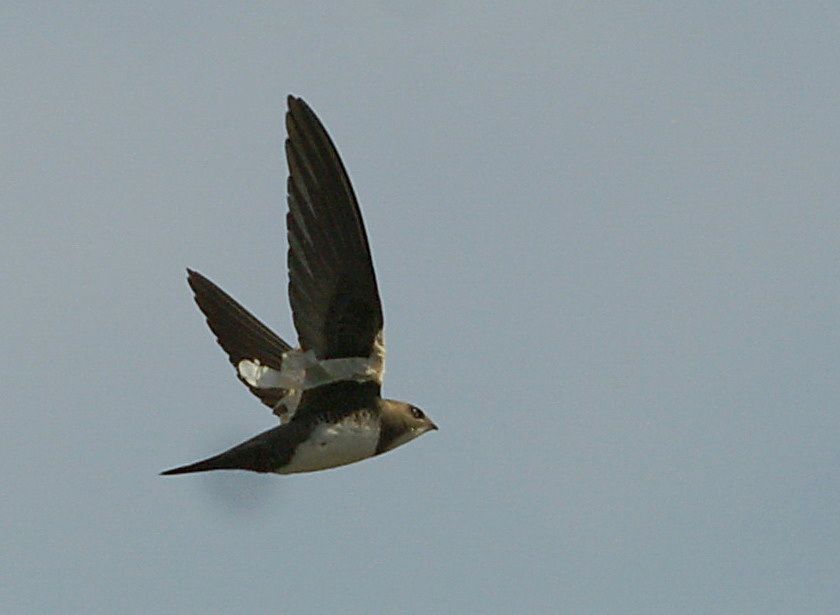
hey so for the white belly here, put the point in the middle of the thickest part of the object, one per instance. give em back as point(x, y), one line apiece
point(333, 445)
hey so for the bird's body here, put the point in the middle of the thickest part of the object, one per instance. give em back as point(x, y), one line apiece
point(327, 392)
point(336, 443)
point(353, 424)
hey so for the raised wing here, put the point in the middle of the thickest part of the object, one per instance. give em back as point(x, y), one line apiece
point(332, 287)
point(241, 335)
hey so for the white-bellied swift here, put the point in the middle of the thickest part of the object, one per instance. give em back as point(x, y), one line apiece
point(327, 392)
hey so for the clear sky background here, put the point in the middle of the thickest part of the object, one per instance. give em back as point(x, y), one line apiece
point(607, 242)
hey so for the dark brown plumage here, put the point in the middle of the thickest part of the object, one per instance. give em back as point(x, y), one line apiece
point(329, 389)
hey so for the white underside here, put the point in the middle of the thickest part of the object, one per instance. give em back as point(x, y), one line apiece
point(302, 371)
point(335, 444)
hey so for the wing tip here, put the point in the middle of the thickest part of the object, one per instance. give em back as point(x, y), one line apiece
point(294, 102)
point(296, 107)
point(197, 284)
point(194, 276)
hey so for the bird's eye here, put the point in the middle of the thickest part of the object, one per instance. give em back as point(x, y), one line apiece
point(417, 413)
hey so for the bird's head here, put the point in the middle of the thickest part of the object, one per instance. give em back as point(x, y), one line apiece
point(403, 422)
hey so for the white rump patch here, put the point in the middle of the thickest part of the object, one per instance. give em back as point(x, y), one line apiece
point(260, 376)
point(302, 371)
point(335, 444)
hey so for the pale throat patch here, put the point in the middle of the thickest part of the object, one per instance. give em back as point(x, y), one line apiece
point(301, 371)
point(336, 444)
point(404, 438)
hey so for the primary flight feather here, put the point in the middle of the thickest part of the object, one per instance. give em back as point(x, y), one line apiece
point(326, 392)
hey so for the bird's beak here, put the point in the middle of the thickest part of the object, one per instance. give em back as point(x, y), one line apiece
point(432, 426)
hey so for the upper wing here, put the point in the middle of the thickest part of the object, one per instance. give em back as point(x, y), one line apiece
point(332, 288)
point(240, 334)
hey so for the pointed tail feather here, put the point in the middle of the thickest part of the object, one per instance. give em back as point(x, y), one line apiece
point(225, 461)
point(255, 455)
point(198, 466)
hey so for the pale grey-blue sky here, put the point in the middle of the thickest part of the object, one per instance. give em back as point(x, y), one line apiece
point(607, 242)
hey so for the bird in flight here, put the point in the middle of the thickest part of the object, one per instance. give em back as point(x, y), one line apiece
point(326, 393)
